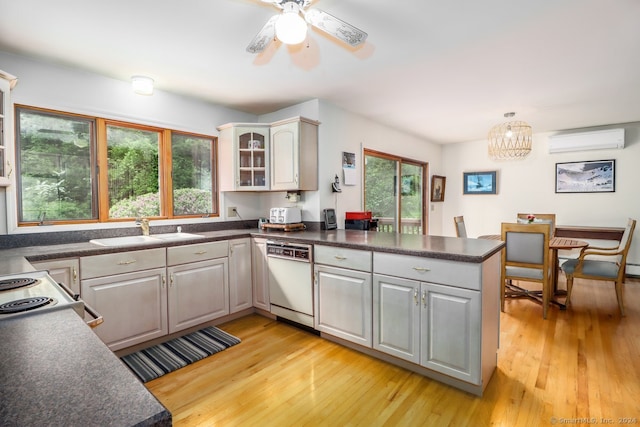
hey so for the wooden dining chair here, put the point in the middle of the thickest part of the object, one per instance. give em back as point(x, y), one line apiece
point(461, 230)
point(539, 219)
point(526, 257)
point(610, 265)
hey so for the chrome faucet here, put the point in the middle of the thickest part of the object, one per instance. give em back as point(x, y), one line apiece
point(144, 225)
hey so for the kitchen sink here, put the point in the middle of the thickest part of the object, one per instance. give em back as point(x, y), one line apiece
point(125, 241)
point(176, 236)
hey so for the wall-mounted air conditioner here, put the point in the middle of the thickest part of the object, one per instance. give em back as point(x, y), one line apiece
point(594, 140)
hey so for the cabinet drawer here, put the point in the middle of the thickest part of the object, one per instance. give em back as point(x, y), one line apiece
point(121, 262)
point(197, 252)
point(341, 257)
point(461, 274)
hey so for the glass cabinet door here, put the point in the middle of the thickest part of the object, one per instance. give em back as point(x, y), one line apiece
point(252, 160)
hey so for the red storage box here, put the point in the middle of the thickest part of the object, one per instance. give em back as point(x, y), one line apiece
point(358, 215)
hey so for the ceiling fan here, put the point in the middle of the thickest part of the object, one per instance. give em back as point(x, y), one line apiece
point(290, 28)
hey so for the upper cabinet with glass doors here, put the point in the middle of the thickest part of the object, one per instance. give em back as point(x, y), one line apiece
point(280, 156)
point(7, 82)
point(244, 157)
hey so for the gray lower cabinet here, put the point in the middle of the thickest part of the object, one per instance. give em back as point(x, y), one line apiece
point(240, 280)
point(435, 326)
point(133, 306)
point(260, 274)
point(62, 271)
point(146, 294)
point(343, 300)
point(442, 327)
point(450, 331)
point(197, 293)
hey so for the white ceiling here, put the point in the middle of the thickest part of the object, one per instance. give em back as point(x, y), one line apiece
point(445, 70)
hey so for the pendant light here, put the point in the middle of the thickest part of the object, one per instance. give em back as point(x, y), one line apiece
point(510, 140)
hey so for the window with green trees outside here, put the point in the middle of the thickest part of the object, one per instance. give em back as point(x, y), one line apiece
point(76, 168)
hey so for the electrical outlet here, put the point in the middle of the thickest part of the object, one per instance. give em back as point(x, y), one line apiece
point(232, 211)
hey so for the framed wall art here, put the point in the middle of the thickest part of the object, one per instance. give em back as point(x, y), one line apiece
point(597, 176)
point(479, 183)
point(438, 184)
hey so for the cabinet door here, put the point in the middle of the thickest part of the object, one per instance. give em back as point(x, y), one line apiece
point(343, 303)
point(133, 305)
point(450, 331)
point(240, 286)
point(260, 274)
point(198, 292)
point(244, 157)
point(396, 317)
point(7, 81)
point(63, 271)
point(285, 156)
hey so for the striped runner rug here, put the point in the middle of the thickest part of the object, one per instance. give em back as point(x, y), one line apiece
point(156, 361)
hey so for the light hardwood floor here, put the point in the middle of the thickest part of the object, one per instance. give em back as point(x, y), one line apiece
point(575, 367)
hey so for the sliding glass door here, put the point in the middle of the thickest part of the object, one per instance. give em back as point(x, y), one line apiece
point(394, 191)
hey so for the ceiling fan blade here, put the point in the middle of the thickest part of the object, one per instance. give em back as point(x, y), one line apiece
point(335, 27)
point(264, 37)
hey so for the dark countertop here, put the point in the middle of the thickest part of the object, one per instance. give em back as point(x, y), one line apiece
point(440, 247)
point(71, 378)
point(56, 371)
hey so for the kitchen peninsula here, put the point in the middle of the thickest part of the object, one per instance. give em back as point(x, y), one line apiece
point(461, 274)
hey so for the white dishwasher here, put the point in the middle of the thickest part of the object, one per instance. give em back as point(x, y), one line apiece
point(291, 281)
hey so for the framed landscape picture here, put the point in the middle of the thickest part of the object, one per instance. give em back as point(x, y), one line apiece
point(437, 188)
point(597, 176)
point(479, 183)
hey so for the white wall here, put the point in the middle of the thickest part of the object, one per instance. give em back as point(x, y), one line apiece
point(57, 87)
point(528, 185)
point(339, 131)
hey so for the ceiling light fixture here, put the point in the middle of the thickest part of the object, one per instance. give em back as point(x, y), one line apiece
point(142, 85)
point(510, 140)
point(291, 28)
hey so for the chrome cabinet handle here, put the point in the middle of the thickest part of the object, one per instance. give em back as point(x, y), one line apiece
point(340, 257)
point(200, 253)
point(415, 296)
point(171, 279)
point(75, 274)
point(421, 269)
point(127, 262)
point(424, 299)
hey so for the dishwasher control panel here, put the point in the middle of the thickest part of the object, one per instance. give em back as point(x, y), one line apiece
point(287, 250)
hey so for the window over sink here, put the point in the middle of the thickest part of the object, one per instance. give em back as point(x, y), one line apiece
point(74, 169)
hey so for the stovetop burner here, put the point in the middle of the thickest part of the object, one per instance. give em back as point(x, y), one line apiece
point(15, 283)
point(24, 304)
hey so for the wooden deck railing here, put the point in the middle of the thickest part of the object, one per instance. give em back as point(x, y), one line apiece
point(407, 226)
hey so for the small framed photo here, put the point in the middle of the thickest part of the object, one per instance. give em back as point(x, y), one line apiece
point(438, 184)
point(596, 176)
point(479, 183)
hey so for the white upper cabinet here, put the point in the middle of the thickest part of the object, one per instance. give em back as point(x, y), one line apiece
point(244, 157)
point(7, 82)
point(279, 156)
point(294, 155)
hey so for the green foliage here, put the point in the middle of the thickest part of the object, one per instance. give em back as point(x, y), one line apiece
point(186, 201)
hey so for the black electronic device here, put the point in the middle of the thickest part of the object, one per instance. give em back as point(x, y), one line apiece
point(330, 221)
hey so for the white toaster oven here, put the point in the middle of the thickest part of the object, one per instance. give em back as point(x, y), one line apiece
point(285, 216)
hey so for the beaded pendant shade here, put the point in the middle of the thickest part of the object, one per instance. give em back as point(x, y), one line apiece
point(510, 140)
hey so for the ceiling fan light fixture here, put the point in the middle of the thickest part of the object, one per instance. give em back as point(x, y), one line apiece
point(291, 28)
point(511, 140)
point(142, 85)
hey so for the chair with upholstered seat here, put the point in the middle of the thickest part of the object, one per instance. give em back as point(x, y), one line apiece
point(539, 219)
point(526, 257)
point(461, 230)
point(609, 265)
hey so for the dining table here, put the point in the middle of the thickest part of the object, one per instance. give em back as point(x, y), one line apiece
point(555, 244)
